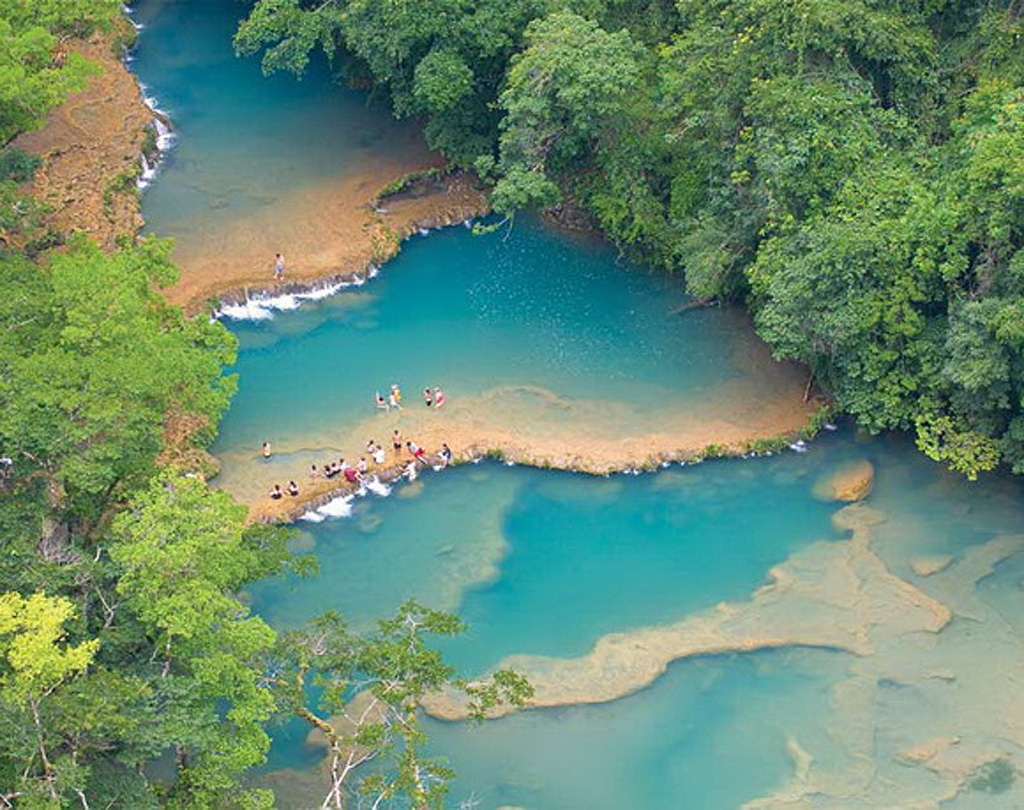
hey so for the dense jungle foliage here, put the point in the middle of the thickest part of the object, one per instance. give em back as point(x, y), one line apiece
point(131, 673)
point(852, 169)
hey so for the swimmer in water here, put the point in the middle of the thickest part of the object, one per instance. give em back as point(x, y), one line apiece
point(397, 392)
point(266, 449)
point(393, 401)
point(438, 398)
point(381, 402)
point(428, 396)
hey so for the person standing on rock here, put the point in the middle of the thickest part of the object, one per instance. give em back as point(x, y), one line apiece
point(279, 267)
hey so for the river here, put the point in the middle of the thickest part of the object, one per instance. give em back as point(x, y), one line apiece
point(703, 635)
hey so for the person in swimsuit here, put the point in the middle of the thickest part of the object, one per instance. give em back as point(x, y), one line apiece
point(276, 492)
point(266, 449)
point(314, 473)
point(369, 447)
point(396, 441)
point(446, 454)
point(381, 402)
point(417, 452)
point(379, 457)
point(279, 267)
point(428, 396)
point(438, 398)
point(397, 392)
point(293, 488)
point(362, 466)
point(393, 401)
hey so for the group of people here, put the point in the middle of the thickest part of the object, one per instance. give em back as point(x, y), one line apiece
point(433, 397)
point(277, 493)
point(418, 453)
point(354, 474)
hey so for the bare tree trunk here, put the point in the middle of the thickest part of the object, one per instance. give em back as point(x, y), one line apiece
point(48, 773)
point(807, 390)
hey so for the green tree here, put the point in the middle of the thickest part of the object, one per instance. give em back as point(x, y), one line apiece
point(35, 73)
point(562, 91)
point(91, 361)
point(371, 686)
point(34, 664)
point(182, 551)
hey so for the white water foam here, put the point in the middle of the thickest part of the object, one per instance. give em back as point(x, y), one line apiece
point(263, 307)
point(377, 488)
point(165, 139)
point(339, 507)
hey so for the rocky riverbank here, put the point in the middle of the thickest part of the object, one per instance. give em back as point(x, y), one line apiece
point(90, 148)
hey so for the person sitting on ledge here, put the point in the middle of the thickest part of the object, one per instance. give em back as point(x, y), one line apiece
point(352, 475)
point(293, 488)
point(276, 492)
point(417, 452)
point(446, 454)
point(362, 466)
point(379, 456)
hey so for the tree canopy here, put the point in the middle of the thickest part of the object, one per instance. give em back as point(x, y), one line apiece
point(850, 169)
point(36, 74)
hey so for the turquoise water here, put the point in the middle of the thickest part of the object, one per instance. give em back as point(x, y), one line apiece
point(547, 562)
point(244, 141)
point(556, 341)
point(533, 337)
point(693, 740)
